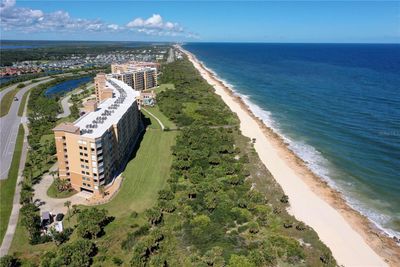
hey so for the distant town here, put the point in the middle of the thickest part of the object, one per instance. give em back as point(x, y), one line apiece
point(87, 59)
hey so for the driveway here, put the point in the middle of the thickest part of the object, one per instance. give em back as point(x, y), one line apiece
point(56, 205)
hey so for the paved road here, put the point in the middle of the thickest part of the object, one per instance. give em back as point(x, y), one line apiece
point(13, 221)
point(12, 87)
point(9, 129)
point(171, 56)
point(65, 106)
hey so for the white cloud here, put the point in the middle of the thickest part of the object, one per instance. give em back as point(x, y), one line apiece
point(155, 25)
point(27, 20)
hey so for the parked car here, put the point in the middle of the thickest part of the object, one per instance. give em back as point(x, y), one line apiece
point(59, 217)
point(15, 98)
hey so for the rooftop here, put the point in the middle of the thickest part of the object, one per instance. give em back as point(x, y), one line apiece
point(66, 127)
point(108, 112)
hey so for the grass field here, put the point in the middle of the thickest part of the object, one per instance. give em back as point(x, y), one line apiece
point(7, 187)
point(7, 100)
point(163, 87)
point(22, 104)
point(144, 176)
point(164, 120)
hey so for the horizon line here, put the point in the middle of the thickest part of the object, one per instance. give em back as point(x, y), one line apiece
point(185, 42)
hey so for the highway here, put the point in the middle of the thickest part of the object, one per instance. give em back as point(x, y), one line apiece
point(9, 126)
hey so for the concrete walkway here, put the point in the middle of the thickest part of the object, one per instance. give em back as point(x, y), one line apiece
point(12, 223)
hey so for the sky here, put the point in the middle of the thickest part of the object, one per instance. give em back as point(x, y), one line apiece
point(202, 21)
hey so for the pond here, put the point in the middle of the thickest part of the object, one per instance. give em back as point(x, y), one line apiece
point(67, 86)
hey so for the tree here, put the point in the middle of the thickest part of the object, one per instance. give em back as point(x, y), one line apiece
point(154, 215)
point(9, 261)
point(77, 253)
point(31, 220)
point(74, 209)
point(68, 205)
point(60, 237)
point(102, 191)
point(91, 222)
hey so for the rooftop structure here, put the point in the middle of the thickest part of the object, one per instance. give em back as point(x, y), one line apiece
point(109, 111)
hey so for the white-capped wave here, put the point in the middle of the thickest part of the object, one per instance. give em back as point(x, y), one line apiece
point(314, 160)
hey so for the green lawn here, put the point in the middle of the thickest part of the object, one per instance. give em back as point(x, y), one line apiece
point(7, 187)
point(164, 120)
point(22, 104)
point(145, 175)
point(53, 192)
point(163, 87)
point(7, 100)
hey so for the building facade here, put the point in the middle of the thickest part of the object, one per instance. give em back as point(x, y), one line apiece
point(92, 151)
point(139, 75)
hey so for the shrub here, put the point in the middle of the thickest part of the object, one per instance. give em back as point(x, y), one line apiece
point(9, 261)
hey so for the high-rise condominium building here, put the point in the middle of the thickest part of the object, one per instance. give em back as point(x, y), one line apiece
point(139, 75)
point(92, 151)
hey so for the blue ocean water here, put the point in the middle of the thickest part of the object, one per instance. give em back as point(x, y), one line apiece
point(67, 86)
point(336, 105)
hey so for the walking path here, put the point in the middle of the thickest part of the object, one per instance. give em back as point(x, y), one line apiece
point(151, 114)
point(12, 223)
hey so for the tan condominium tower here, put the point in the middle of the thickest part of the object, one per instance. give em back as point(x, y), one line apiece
point(92, 151)
point(139, 75)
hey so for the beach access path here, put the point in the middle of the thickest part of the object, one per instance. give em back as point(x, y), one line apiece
point(347, 245)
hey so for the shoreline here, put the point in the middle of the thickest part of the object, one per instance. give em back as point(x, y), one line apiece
point(352, 238)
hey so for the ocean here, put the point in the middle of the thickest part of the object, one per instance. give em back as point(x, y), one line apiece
point(336, 105)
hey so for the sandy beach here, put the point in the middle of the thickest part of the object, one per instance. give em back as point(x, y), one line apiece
point(352, 238)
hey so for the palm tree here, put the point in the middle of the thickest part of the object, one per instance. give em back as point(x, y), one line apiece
point(68, 205)
point(53, 174)
point(102, 191)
